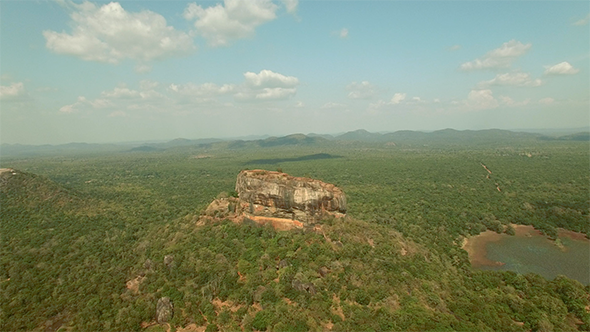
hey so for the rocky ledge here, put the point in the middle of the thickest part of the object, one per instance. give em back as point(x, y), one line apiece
point(279, 199)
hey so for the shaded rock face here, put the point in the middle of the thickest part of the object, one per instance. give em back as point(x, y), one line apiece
point(164, 310)
point(279, 195)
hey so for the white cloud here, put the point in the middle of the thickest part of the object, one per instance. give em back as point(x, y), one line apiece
point(546, 101)
point(512, 79)
point(507, 101)
point(266, 94)
point(343, 33)
point(110, 34)
point(235, 19)
point(266, 85)
point(501, 57)
point(455, 48)
point(480, 100)
point(290, 5)
point(67, 109)
point(299, 104)
point(363, 90)
point(267, 78)
point(189, 97)
point(83, 103)
point(123, 93)
point(583, 21)
point(400, 99)
point(206, 90)
point(397, 98)
point(563, 68)
point(13, 91)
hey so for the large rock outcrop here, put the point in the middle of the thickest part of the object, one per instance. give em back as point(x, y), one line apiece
point(279, 199)
point(279, 195)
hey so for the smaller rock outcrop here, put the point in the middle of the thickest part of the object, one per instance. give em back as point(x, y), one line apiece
point(303, 286)
point(164, 310)
point(169, 261)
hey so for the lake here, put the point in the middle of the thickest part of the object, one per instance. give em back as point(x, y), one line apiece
point(530, 251)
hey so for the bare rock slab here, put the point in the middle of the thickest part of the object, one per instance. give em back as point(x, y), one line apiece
point(279, 195)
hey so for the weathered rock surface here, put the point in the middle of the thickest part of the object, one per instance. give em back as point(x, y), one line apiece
point(164, 310)
point(278, 199)
point(169, 261)
point(279, 195)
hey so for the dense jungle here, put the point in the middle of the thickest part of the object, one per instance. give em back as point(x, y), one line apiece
point(84, 232)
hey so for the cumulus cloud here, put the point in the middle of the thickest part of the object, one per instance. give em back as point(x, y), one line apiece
point(501, 57)
point(206, 90)
point(266, 85)
point(512, 79)
point(362, 90)
point(455, 48)
point(151, 96)
point(13, 91)
point(83, 103)
point(563, 68)
point(290, 5)
point(480, 100)
point(397, 98)
point(583, 21)
point(110, 34)
point(123, 93)
point(267, 78)
point(235, 19)
point(191, 93)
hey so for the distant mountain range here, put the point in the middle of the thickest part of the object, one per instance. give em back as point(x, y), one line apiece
point(445, 136)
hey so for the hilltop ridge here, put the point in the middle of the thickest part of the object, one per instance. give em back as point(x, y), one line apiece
point(360, 136)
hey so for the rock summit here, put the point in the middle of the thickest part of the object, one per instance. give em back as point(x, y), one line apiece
point(280, 199)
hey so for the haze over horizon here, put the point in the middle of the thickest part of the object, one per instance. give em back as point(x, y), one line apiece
point(103, 72)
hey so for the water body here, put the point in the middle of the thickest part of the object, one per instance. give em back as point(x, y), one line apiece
point(530, 251)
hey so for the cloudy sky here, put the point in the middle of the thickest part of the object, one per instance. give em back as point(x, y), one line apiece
point(156, 70)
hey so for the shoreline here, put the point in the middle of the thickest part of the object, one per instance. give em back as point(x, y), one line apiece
point(476, 246)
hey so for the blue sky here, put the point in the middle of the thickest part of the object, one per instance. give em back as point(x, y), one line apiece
point(156, 70)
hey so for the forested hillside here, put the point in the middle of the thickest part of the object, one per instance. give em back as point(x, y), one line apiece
point(84, 238)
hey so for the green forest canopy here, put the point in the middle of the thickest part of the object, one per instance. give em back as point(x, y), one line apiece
point(75, 229)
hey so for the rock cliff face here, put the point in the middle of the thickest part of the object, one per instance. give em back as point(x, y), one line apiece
point(279, 195)
point(280, 199)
